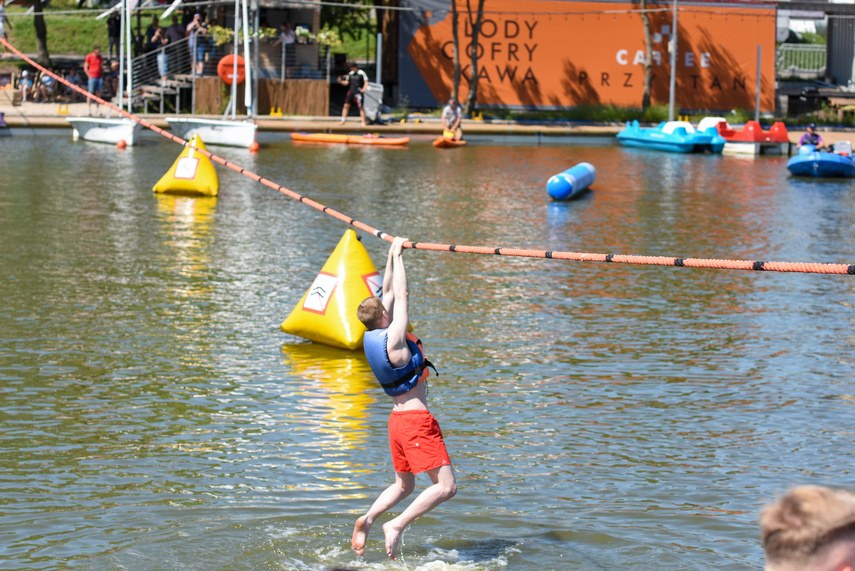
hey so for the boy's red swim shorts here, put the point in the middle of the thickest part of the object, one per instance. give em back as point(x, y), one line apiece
point(416, 441)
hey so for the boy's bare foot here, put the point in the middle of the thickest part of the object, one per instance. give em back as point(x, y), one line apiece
point(360, 535)
point(393, 536)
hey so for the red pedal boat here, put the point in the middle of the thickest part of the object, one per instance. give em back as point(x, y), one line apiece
point(751, 139)
point(752, 132)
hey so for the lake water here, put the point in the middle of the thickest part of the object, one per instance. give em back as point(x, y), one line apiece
point(153, 415)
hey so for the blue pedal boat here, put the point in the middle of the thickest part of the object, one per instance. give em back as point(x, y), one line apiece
point(820, 164)
point(674, 136)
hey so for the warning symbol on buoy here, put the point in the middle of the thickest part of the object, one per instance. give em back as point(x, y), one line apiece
point(186, 168)
point(320, 293)
point(374, 283)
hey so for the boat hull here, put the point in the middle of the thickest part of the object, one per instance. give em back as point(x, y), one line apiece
point(216, 132)
point(443, 143)
point(666, 138)
point(105, 130)
point(821, 165)
point(349, 139)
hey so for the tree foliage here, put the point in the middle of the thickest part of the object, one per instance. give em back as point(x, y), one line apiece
point(475, 19)
point(41, 34)
point(349, 20)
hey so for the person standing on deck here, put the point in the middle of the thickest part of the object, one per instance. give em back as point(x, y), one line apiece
point(93, 67)
point(4, 21)
point(356, 82)
point(398, 361)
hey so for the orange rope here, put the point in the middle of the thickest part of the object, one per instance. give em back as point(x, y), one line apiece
point(801, 267)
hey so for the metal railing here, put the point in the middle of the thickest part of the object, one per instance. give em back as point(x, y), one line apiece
point(153, 67)
point(801, 59)
point(291, 61)
point(186, 59)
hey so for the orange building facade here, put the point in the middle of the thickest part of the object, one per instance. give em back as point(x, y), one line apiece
point(558, 54)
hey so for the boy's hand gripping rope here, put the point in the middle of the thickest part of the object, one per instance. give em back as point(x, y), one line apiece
point(800, 267)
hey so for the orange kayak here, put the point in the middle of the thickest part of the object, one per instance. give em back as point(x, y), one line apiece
point(444, 143)
point(349, 139)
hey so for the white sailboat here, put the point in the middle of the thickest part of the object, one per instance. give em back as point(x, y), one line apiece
point(228, 132)
point(109, 129)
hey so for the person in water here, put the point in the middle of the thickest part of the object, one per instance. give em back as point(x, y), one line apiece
point(398, 362)
point(812, 138)
point(810, 528)
point(451, 119)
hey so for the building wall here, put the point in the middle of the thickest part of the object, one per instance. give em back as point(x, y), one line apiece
point(560, 54)
point(841, 49)
point(292, 96)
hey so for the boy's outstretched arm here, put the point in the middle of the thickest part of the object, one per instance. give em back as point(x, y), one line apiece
point(396, 347)
point(388, 292)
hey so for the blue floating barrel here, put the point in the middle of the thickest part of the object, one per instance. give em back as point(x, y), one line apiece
point(571, 182)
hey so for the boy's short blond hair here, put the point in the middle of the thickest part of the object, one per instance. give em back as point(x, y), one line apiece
point(800, 525)
point(370, 312)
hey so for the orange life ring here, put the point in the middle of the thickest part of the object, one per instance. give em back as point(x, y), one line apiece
point(226, 66)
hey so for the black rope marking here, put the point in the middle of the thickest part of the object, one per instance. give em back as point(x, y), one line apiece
point(851, 269)
point(759, 266)
point(549, 254)
point(414, 244)
point(452, 248)
point(679, 262)
point(498, 251)
point(609, 257)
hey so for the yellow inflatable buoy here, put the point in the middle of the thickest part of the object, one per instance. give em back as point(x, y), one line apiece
point(327, 312)
point(192, 173)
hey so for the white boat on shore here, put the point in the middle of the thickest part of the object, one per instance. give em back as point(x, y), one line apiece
point(215, 131)
point(104, 129)
point(227, 131)
point(108, 129)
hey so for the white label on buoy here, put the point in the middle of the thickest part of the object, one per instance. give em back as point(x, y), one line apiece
point(320, 293)
point(186, 168)
point(374, 283)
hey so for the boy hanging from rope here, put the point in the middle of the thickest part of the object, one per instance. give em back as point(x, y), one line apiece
point(398, 362)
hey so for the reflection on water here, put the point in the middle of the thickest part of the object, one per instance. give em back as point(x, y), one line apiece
point(187, 226)
point(343, 379)
point(154, 416)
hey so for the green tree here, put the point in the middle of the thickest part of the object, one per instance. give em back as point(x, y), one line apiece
point(648, 56)
point(389, 24)
point(43, 56)
point(455, 34)
point(474, 20)
point(351, 20)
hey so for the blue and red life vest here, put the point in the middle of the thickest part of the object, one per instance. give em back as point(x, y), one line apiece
point(395, 380)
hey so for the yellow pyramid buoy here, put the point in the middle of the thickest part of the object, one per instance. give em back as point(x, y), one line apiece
point(327, 312)
point(192, 173)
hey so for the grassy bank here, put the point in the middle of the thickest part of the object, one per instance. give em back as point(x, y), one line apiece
point(70, 34)
point(66, 34)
